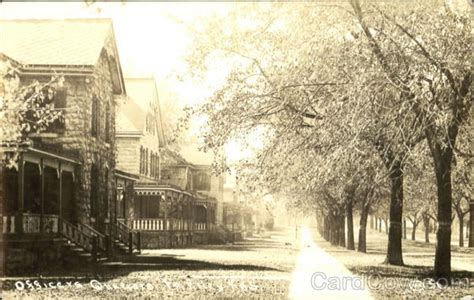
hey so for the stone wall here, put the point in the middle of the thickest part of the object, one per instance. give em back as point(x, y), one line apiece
point(80, 91)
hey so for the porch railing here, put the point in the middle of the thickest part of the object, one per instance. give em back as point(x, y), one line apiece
point(101, 239)
point(149, 224)
point(126, 235)
point(30, 223)
point(80, 238)
point(8, 224)
point(200, 226)
point(50, 223)
point(169, 224)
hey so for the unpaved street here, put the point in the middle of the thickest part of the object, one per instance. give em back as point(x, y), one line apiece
point(258, 267)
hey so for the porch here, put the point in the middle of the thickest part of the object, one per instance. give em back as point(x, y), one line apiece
point(164, 215)
point(38, 193)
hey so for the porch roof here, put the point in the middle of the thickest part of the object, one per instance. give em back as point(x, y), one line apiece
point(158, 189)
point(28, 148)
point(126, 175)
point(206, 201)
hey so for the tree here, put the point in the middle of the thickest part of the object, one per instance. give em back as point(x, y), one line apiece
point(436, 87)
point(282, 84)
point(462, 181)
point(310, 85)
point(23, 109)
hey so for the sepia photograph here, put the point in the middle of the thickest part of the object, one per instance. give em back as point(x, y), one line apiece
point(237, 150)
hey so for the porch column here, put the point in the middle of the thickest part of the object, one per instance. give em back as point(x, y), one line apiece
point(21, 194)
point(42, 195)
point(60, 198)
point(165, 209)
point(116, 200)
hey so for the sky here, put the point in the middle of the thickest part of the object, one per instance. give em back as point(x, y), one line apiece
point(151, 40)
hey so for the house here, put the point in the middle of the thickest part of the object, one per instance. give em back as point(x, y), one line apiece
point(161, 210)
point(64, 187)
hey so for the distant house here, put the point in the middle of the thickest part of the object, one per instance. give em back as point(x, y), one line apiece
point(139, 138)
point(139, 130)
point(207, 185)
point(179, 172)
point(65, 182)
point(161, 210)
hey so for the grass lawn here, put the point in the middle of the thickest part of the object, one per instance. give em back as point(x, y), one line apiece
point(259, 267)
point(406, 281)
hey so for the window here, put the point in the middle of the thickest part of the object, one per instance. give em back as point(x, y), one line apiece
point(157, 165)
point(146, 162)
point(150, 124)
point(152, 160)
point(94, 194)
point(154, 165)
point(107, 123)
point(141, 160)
point(95, 117)
point(59, 103)
point(106, 194)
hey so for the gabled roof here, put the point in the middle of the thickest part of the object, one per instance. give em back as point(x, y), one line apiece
point(73, 42)
point(132, 115)
point(130, 118)
point(172, 158)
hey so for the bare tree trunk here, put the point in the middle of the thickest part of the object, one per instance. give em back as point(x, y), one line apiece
point(426, 224)
point(332, 230)
point(371, 222)
point(394, 247)
point(413, 231)
point(404, 228)
point(461, 230)
point(442, 266)
point(350, 226)
point(471, 223)
point(325, 228)
point(342, 231)
point(362, 245)
point(386, 221)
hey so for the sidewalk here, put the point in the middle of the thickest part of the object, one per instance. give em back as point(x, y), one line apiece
point(318, 275)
